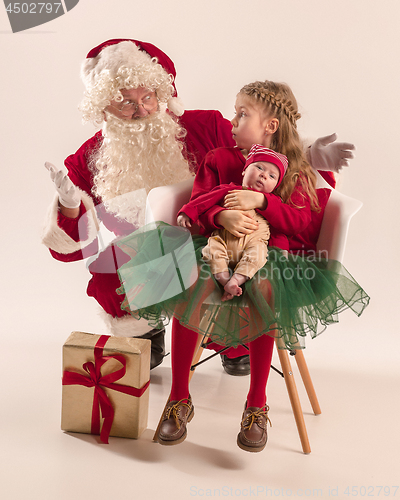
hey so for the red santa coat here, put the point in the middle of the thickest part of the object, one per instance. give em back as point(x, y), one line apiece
point(70, 239)
point(206, 130)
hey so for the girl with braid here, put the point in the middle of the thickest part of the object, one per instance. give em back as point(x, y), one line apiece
point(290, 296)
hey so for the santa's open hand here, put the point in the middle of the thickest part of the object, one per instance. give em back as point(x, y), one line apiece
point(327, 154)
point(68, 194)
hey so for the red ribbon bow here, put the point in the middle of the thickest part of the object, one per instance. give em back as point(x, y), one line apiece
point(94, 379)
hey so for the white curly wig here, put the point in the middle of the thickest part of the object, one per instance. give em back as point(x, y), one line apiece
point(124, 64)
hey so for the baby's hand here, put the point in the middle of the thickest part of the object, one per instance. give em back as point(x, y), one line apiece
point(244, 199)
point(183, 220)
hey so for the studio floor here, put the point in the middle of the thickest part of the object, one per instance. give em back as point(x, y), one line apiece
point(355, 441)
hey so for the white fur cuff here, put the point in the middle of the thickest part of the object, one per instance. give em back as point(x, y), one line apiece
point(58, 240)
point(126, 326)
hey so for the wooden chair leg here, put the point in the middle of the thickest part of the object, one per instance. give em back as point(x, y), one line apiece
point(294, 398)
point(204, 326)
point(305, 375)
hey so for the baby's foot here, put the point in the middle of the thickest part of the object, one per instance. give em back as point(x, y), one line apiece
point(226, 296)
point(232, 289)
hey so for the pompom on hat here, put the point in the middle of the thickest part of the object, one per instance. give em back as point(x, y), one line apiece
point(260, 153)
point(108, 57)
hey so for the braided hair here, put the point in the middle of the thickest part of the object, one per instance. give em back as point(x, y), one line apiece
point(276, 100)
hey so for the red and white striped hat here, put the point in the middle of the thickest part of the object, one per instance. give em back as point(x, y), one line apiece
point(261, 153)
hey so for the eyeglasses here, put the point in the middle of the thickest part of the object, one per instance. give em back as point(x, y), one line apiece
point(150, 103)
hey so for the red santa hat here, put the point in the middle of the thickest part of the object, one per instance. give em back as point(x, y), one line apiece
point(260, 153)
point(110, 56)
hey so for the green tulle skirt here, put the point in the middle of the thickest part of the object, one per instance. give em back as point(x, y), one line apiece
point(288, 298)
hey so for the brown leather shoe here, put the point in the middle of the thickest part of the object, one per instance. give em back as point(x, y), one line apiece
point(253, 429)
point(173, 427)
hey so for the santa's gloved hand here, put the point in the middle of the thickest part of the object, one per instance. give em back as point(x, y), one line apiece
point(326, 154)
point(68, 194)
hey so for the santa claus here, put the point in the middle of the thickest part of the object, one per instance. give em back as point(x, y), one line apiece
point(130, 93)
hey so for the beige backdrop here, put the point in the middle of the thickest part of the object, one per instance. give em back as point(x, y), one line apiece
point(342, 61)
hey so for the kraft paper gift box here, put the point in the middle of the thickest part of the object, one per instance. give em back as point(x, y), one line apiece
point(105, 385)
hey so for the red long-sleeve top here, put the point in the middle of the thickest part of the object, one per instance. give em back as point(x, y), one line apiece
point(294, 219)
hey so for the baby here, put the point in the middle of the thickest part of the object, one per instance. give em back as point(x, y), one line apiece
point(263, 171)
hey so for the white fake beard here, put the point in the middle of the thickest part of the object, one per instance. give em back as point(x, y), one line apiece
point(136, 156)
